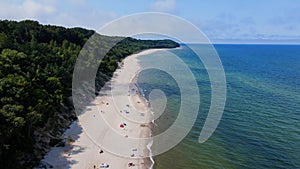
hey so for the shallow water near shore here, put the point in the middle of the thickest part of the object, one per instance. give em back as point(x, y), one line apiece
point(260, 126)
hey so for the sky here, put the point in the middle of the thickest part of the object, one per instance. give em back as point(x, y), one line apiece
point(222, 21)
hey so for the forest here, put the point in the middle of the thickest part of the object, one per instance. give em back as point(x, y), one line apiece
point(36, 67)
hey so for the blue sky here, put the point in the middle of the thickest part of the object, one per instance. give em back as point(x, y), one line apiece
point(223, 21)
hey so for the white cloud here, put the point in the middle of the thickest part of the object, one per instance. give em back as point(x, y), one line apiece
point(92, 20)
point(28, 9)
point(35, 8)
point(164, 6)
point(77, 2)
point(55, 12)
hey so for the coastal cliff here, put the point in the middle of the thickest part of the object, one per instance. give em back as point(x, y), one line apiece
point(36, 66)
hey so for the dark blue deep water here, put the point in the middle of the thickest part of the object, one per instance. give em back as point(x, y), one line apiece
point(260, 127)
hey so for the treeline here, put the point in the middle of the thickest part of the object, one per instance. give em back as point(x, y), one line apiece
point(36, 66)
point(125, 47)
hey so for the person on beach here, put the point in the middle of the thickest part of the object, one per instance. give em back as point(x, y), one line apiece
point(130, 164)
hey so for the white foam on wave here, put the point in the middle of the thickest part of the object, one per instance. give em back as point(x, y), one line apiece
point(149, 145)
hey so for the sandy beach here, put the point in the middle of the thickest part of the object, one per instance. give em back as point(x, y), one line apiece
point(115, 128)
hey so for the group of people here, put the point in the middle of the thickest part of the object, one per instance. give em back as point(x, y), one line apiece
point(105, 165)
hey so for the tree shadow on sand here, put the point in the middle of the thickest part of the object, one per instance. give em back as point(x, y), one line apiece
point(59, 157)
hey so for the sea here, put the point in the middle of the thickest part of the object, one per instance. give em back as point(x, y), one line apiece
point(260, 125)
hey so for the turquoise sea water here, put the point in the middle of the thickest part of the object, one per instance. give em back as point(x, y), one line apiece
point(260, 127)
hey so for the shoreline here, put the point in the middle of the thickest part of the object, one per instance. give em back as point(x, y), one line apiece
point(82, 152)
point(149, 162)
